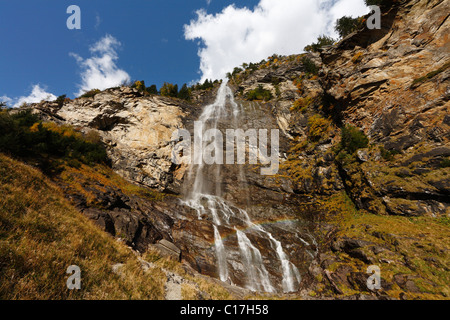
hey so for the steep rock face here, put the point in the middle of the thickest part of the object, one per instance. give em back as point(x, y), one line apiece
point(136, 130)
point(393, 84)
point(374, 84)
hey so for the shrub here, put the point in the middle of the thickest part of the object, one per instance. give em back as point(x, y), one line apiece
point(310, 66)
point(353, 139)
point(185, 93)
point(445, 163)
point(318, 127)
point(24, 135)
point(60, 100)
point(152, 89)
point(169, 90)
point(93, 136)
point(236, 70)
point(90, 93)
point(259, 94)
point(388, 154)
point(346, 25)
point(74, 163)
point(302, 103)
point(252, 66)
point(139, 85)
point(322, 41)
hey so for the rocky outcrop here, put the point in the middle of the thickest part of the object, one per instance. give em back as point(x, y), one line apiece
point(136, 130)
point(394, 86)
point(391, 83)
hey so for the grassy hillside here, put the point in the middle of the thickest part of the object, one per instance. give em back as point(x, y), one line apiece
point(41, 234)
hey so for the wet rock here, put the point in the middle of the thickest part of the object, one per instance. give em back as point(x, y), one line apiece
point(137, 231)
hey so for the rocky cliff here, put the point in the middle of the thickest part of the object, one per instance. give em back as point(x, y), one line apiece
point(393, 85)
point(135, 129)
point(387, 89)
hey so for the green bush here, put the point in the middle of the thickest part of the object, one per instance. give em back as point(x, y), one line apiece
point(346, 25)
point(388, 154)
point(185, 93)
point(353, 139)
point(24, 135)
point(90, 93)
point(322, 41)
point(152, 89)
point(259, 94)
point(169, 90)
point(310, 66)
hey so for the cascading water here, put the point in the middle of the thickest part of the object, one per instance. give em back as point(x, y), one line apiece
point(205, 197)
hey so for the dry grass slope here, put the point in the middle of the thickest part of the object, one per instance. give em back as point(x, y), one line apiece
point(41, 234)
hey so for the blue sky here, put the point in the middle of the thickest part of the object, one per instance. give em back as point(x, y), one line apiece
point(151, 40)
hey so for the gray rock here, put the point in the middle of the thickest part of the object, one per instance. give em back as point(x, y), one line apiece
point(167, 248)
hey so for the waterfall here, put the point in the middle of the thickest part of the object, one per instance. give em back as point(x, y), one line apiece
point(258, 277)
point(205, 197)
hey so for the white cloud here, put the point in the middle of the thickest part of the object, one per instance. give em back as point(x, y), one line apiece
point(100, 70)
point(37, 95)
point(354, 8)
point(238, 35)
point(6, 100)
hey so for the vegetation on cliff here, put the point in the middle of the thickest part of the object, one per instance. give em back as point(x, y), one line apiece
point(24, 135)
